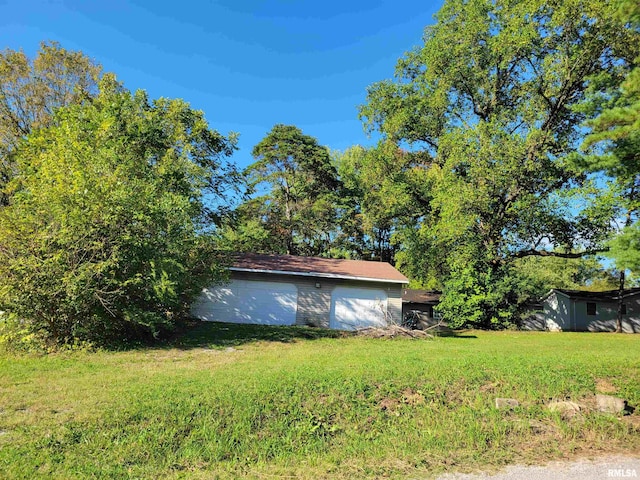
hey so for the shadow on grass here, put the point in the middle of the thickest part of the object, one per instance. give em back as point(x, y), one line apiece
point(455, 334)
point(444, 331)
point(218, 335)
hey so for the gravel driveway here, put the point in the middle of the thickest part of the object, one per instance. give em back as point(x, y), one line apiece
point(621, 467)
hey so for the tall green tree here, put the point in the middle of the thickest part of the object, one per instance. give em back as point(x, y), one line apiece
point(30, 92)
point(297, 192)
point(613, 148)
point(105, 235)
point(488, 100)
point(613, 145)
point(385, 186)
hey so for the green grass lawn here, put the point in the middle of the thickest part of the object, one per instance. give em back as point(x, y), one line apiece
point(237, 401)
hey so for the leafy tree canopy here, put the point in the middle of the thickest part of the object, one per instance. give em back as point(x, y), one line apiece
point(488, 102)
point(387, 187)
point(32, 89)
point(297, 198)
point(103, 238)
point(545, 273)
point(613, 145)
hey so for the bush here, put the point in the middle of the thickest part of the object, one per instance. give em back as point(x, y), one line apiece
point(105, 238)
point(478, 296)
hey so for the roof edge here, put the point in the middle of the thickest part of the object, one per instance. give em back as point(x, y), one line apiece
point(321, 275)
point(548, 294)
point(588, 294)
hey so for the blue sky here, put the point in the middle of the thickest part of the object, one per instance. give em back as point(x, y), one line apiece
point(249, 64)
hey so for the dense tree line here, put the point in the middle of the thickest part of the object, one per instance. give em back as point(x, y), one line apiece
point(507, 159)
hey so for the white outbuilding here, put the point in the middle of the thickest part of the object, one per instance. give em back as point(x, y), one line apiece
point(291, 290)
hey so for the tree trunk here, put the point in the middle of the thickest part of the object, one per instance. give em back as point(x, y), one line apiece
point(620, 302)
point(627, 224)
point(288, 216)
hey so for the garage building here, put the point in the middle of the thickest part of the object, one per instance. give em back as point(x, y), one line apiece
point(291, 290)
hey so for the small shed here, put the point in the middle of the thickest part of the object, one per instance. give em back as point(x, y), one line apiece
point(421, 301)
point(291, 290)
point(579, 310)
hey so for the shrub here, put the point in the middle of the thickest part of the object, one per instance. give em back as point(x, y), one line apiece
point(105, 237)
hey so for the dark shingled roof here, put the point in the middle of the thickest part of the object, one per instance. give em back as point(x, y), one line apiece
point(606, 296)
point(320, 267)
point(429, 297)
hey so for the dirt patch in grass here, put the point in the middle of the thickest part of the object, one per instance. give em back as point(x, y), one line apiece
point(412, 397)
point(408, 398)
point(633, 421)
point(489, 387)
point(603, 385)
point(389, 405)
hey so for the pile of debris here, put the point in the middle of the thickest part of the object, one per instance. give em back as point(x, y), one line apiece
point(392, 331)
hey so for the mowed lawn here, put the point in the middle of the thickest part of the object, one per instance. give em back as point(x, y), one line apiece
point(259, 402)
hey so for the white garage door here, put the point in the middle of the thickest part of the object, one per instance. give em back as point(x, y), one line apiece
point(246, 301)
point(353, 308)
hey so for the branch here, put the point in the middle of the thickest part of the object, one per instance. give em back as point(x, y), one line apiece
point(545, 253)
point(429, 141)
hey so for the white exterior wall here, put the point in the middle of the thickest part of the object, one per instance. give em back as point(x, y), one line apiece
point(242, 301)
point(557, 311)
point(607, 315)
point(570, 314)
point(358, 307)
point(313, 303)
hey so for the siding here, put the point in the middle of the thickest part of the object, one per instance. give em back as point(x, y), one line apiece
point(557, 312)
point(607, 315)
point(570, 314)
point(394, 305)
point(314, 304)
